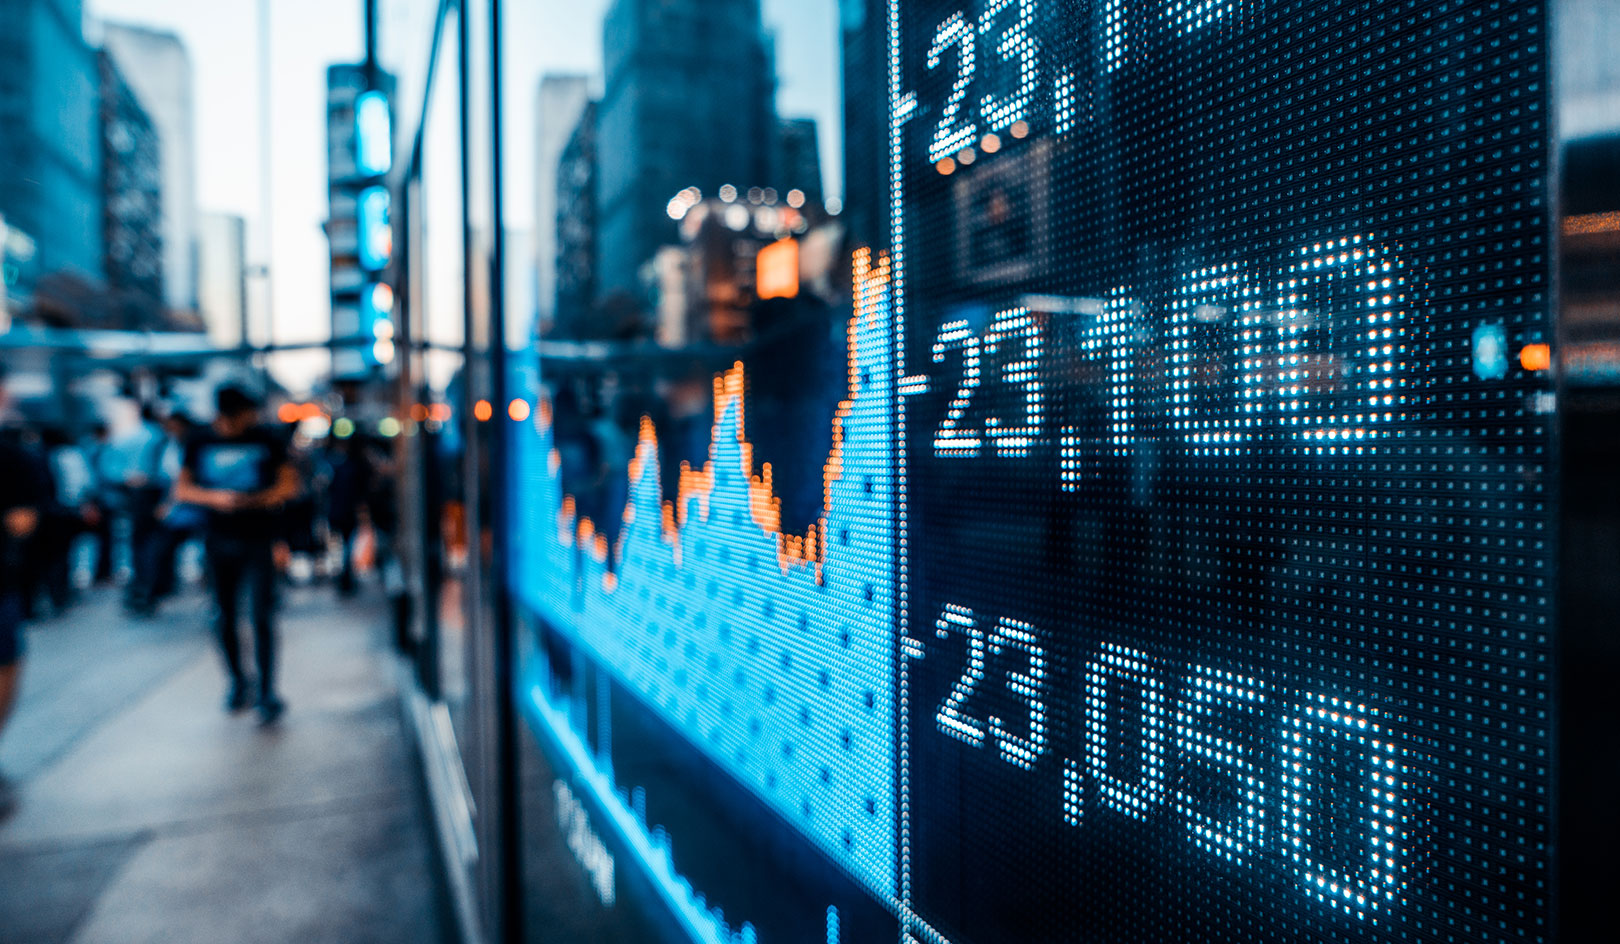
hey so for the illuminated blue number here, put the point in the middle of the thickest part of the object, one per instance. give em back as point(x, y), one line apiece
point(1221, 343)
point(1014, 45)
point(951, 136)
point(954, 439)
point(1341, 348)
point(1111, 728)
point(1115, 333)
point(1320, 736)
point(952, 719)
point(1029, 686)
point(1018, 326)
point(1213, 703)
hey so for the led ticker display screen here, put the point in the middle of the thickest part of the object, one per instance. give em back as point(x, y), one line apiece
point(1158, 547)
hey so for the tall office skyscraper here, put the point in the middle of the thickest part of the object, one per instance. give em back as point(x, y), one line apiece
point(158, 68)
point(688, 102)
point(132, 200)
point(558, 105)
point(50, 152)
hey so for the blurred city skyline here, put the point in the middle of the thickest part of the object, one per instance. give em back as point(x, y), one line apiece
point(222, 40)
point(542, 38)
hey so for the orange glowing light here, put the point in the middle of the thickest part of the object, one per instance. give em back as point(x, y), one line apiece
point(288, 413)
point(776, 270)
point(439, 412)
point(1020, 129)
point(1589, 224)
point(945, 166)
point(1535, 357)
point(696, 485)
point(482, 411)
point(990, 143)
point(419, 412)
point(518, 410)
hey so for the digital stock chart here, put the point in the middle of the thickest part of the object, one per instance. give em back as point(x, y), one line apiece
point(1179, 554)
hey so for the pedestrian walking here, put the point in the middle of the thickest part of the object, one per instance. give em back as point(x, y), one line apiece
point(351, 484)
point(32, 568)
point(145, 489)
point(21, 492)
point(60, 520)
point(98, 512)
point(239, 471)
point(174, 522)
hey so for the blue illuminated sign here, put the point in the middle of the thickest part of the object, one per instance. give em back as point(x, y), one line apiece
point(373, 134)
point(376, 233)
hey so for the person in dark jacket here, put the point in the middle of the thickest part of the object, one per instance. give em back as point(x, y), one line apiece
point(240, 473)
point(346, 493)
point(21, 496)
point(99, 511)
point(145, 491)
point(32, 569)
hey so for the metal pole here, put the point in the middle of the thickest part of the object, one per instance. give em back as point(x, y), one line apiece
point(266, 193)
point(371, 44)
point(509, 817)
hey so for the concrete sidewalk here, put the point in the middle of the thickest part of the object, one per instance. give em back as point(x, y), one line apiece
point(150, 815)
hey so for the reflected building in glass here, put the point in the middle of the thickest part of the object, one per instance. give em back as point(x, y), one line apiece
point(559, 103)
point(575, 262)
point(687, 103)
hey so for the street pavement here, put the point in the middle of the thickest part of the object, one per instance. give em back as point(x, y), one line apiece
point(147, 814)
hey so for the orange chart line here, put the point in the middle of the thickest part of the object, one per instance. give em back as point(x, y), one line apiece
point(697, 485)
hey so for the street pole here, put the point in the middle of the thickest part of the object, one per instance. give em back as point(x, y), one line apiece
point(371, 44)
point(266, 194)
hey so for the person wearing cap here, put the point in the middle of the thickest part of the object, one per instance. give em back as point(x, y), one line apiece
point(239, 472)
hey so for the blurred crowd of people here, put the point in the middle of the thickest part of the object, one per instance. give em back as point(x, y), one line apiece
point(108, 515)
point(118, 509)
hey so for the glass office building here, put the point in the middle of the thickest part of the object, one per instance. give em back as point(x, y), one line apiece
point(1011, 470)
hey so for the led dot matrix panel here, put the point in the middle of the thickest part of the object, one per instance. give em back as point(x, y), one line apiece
point(1225, 500)
point(1183, 565)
